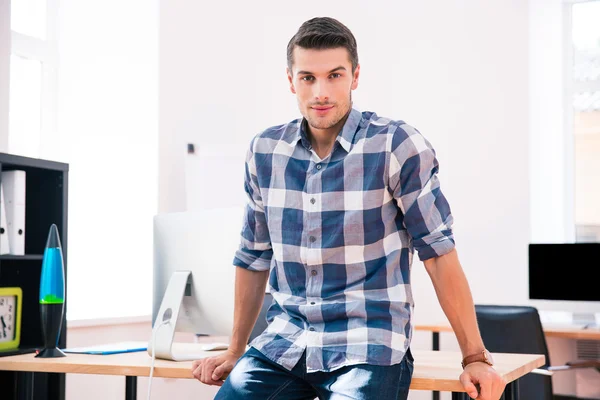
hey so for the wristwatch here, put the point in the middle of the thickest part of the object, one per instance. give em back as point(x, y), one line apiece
point(483, 356)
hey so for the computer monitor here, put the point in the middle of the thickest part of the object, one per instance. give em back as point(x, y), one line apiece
point(563, 281)
point(193, 283)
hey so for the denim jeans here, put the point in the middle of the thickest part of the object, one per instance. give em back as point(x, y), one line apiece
point(255, 377)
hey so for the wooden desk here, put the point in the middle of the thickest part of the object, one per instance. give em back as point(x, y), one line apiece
point(562, 331)
point(434, 370)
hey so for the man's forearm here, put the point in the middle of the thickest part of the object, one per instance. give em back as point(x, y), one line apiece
point(455, 297)
point(249, 296)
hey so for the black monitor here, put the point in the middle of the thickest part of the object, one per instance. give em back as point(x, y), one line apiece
point(564, 276)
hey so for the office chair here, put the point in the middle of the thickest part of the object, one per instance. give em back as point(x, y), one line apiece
point(518, 329)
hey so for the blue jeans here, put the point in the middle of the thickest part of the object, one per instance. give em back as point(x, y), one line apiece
point(255, 377)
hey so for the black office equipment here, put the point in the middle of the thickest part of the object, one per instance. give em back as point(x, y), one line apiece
point(518, 329)
point(564, 271)
point(45, 204)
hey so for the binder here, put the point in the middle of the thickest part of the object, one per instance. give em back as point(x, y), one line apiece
point(13, 185)
point(4, 249)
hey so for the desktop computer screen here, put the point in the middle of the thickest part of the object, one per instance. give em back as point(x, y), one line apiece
point(564, 271)
point(563, 278)
point(204, 243)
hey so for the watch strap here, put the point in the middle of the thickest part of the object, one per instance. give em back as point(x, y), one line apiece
point(477, 357)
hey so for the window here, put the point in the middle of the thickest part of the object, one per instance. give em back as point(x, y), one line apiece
point(107, 89)
point(585, 108)
point(33, 76)
point(28, 17)
point(25, 105)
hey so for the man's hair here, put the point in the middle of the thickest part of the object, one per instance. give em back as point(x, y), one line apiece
point(322, 33)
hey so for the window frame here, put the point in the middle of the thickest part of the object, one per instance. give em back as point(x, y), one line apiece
point(570, 89)
point(46, 52)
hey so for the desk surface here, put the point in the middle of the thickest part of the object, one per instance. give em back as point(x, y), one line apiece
point(562, 331)
point(434, 370)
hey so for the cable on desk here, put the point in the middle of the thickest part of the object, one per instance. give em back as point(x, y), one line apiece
point(152, 344)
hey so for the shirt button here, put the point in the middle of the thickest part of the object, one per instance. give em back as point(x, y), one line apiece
point(313, 272)
point(311, 329)
point(312, 303)
point(312, 201)
point(313, 239)
point(318, 166)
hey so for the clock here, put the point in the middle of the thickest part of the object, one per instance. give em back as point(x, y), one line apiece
point(11, 303)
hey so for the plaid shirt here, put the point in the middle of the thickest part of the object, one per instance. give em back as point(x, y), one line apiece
point(338, 236)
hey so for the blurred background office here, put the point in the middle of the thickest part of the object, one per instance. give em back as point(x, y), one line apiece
point(507, 91)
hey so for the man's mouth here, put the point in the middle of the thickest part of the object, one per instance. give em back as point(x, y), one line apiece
point(322, 110)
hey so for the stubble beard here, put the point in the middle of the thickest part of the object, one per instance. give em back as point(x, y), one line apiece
point(326, 123)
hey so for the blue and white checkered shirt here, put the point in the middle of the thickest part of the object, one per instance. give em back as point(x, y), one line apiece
point(338, 236)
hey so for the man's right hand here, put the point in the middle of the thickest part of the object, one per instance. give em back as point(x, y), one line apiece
point(214, 370)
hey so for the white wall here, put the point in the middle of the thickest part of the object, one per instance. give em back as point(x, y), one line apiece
point(458, 71)
point(4, 71)
point(458, 74)
point(108, 133)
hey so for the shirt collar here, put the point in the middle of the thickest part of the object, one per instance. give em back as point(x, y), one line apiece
point(345, 137)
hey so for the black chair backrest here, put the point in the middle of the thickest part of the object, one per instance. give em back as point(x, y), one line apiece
point(261, 321)
point(517, 329)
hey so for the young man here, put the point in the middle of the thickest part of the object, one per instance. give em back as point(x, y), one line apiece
point(338, 201)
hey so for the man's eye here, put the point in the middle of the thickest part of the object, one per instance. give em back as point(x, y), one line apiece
point(308, 78)
point(335, 75)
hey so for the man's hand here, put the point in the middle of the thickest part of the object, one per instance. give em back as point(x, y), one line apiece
point(214, 370)
point(490, 384)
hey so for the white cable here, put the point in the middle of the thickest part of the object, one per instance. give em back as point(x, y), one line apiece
point(152, 344)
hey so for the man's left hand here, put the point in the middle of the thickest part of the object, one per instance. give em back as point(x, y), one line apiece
point(490, 384)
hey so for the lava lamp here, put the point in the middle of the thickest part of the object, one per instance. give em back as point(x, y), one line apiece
point(52, 295)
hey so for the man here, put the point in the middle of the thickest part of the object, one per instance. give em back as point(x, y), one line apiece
point(338, 201)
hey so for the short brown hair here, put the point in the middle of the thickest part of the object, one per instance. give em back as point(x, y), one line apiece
point(322, 33)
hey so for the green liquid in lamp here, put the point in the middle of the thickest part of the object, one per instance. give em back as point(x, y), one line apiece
point(51, 299)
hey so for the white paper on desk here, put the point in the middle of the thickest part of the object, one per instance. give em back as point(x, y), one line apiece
point(109, 348)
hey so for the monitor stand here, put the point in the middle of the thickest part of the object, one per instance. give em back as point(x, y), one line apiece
point(163, 331)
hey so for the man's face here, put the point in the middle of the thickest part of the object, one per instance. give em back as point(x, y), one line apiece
point(322, 81)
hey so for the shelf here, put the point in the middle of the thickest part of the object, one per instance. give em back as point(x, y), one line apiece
point(26, 257)
point(46, 186)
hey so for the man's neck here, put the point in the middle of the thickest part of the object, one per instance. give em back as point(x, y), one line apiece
point(322, 140)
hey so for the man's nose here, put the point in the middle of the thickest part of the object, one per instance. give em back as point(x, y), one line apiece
point(320, 92)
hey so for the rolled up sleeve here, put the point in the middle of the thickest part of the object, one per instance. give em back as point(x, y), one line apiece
point(255, 251)
point(413, 180)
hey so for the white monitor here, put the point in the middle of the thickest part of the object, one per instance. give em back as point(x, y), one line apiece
point(193, 285)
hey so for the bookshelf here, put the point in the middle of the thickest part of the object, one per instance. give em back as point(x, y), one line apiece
point(46, 192)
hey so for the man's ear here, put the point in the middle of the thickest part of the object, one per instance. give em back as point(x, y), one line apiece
point(355, 77)
point(290, 80)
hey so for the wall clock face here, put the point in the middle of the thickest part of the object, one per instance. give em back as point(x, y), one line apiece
point(10, 317)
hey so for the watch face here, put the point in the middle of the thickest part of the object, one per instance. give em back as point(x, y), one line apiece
point(8, 312)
